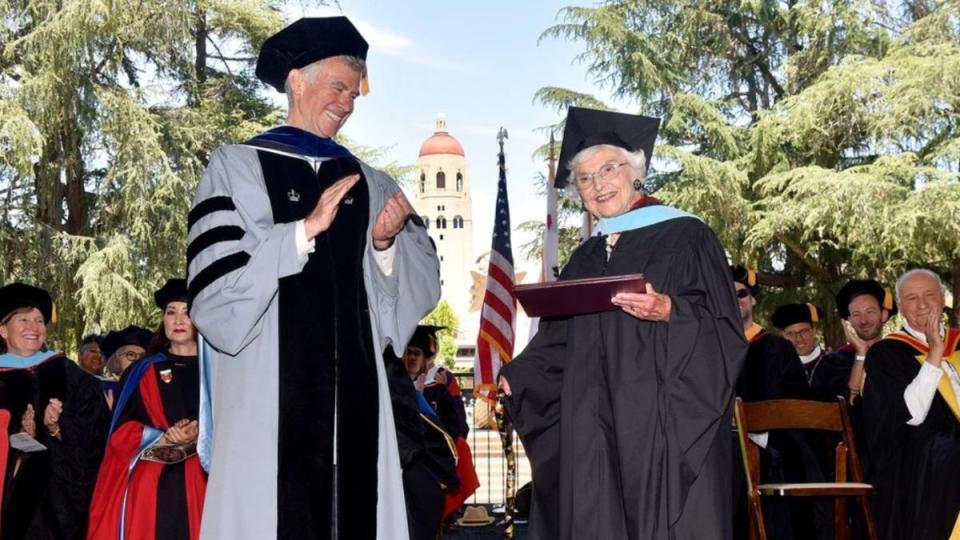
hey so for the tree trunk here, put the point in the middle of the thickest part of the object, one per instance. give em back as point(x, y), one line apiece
point(47, 186)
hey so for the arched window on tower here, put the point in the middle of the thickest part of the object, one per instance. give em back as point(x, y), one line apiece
point(441, 222)
point(458, 222)
point(441, 180)
point(459, 182)
point(423, 182)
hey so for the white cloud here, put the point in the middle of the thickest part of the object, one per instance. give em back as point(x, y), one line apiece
point(388, 43)
point(384, 41)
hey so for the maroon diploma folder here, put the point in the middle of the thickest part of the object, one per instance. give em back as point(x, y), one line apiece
point(576, 296)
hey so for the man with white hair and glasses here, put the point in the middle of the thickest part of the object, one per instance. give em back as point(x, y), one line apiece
point(912, 417)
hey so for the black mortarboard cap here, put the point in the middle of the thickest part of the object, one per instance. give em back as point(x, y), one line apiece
point(747, 277)
point(788, 314)
point(589, 127)
point(131, 335)
point(425, 339)
point(174, 290)
point(858, 287)
point(17, 295)
point(92, 338)
point(304, 42)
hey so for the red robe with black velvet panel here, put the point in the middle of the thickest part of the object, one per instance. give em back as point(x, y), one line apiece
point(143, 520)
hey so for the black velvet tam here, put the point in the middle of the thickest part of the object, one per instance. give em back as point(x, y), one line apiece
point(858, 287)
point(17, 295)
point(174, 290)
point(589, 127)
point(131, 335)
point(788, 314)
point(304, 42)
point(747, 277)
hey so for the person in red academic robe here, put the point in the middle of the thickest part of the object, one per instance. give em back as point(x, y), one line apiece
point(151, 484)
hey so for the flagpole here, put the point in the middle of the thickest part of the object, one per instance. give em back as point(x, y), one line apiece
point(504, 422)
point(551, 237)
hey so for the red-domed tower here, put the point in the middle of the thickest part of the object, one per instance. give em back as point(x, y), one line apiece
point(442, 198)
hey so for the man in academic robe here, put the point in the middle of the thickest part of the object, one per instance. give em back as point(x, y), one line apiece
point(442, 393)
point(797, 322)
point(865, 306)
point(912, 417)
point(625, 413)
point(772, 371)
point(306, 269)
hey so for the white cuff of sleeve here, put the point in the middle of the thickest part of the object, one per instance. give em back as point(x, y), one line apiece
point(385, 259)
point(304, 246)
point(918, 395)
point(760, 439)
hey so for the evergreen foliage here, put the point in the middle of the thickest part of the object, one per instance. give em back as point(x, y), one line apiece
point(819, 139)
point(109, 111)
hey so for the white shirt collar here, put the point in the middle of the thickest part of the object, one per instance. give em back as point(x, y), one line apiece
point(919, 335)
point(806, 359)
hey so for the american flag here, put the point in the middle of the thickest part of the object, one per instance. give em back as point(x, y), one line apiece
point(495, 341)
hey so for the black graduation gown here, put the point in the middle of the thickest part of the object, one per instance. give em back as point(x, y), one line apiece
point(772, 370)
point(50, 494)
point(428, 463)
point(449, 409)
point(626, 422)
point(914, 469)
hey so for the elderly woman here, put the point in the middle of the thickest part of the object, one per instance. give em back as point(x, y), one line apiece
point(58, 423)
point(625, 414)
point(154, 437)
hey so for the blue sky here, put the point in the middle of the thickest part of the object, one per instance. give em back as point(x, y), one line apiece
point(480, 64)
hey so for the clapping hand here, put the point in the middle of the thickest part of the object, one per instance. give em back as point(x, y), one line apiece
point(51, 417)
point(390, 220)
point(931, 329)
point(323, 214)
point(28, 421)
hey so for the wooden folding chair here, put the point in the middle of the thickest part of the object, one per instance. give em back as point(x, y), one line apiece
point(777, 414)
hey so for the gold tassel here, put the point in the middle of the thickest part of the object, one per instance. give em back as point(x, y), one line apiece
point(365, 85)
point(887, 299)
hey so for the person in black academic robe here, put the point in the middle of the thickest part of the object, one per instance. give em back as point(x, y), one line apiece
point(151, 484)
point(46, 491)
point(864, 306)
point(912, 418)
point(427, 451)
point(772, 370)
point(625, 414)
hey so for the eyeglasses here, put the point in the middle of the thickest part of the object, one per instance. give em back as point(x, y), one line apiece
point(743, 293)
point(603, 173)
point(805, 332)
point(130, 355)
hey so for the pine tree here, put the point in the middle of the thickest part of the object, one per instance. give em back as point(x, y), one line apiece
point(819, 139)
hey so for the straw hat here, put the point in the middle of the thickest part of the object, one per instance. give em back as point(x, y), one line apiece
point(475, 516)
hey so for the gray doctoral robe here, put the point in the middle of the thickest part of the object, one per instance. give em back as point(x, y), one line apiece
point(239, 254)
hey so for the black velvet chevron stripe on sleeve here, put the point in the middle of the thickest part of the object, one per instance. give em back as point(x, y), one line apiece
point(222, 233)
point(209, 206)
point(217, 270)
